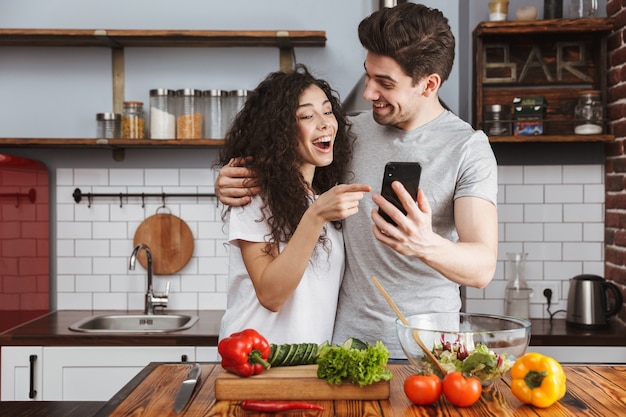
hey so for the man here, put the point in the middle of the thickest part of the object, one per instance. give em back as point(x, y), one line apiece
point(449, 236)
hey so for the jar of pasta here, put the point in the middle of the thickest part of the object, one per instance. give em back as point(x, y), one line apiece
point(133, 121)
point(189, 114)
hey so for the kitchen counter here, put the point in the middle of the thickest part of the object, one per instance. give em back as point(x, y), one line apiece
point(591, 391)
point(558, 333)
point(52, 330)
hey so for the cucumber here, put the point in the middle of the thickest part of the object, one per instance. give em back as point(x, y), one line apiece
point(279, 356)
point(299, 354)
point(293, 354)
point(354, 343)
point(273, 350)
point(310, 356)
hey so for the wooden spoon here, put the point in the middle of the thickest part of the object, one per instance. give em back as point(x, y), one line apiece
point(416, 335)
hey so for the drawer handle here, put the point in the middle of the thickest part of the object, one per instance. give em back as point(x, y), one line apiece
point(32, 393)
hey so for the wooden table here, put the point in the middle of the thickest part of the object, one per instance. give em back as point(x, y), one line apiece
point(591, 391)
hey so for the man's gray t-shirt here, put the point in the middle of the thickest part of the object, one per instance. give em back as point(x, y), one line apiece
point(456, 162)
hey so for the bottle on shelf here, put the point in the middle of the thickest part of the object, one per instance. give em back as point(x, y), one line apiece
point(582, 8)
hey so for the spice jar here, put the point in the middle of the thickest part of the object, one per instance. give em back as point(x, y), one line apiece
point(133, 122)
point(588, 113)
point(188, 114)
point(162, 114)
point(497, 120)
point(214, 128)
point(108, 125)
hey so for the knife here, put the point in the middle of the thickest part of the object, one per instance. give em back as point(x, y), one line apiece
point(186, 388)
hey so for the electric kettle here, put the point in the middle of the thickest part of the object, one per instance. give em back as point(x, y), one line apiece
point(588, 304)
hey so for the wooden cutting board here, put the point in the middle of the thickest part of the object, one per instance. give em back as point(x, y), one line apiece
point(170, 241)
point(293, 383)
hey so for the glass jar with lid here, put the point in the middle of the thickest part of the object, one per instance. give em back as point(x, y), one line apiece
point(133, 121)
point(588, 113)
point(189, 114)
point(108, 125)
point(497, 120)
point(214, 127)
point(583, 8)
point(162, 114)
point(234, 103)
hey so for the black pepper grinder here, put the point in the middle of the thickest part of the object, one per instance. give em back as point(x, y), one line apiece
point(552, 9)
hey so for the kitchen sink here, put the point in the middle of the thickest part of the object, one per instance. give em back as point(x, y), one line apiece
point(134, 323)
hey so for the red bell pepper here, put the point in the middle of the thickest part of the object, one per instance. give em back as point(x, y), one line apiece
point(245, 353)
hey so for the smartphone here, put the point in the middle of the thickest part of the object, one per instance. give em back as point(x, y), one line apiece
point(408, 173)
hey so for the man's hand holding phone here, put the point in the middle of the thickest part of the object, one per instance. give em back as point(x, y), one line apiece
point(412, 228)
point(408, 174)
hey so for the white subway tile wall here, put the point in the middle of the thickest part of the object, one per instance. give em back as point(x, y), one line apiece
point(94, 242)
point(554, 213)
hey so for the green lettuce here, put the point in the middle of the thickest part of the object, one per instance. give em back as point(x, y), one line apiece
point(354, 361)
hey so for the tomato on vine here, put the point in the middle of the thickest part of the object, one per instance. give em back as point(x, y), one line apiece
point(423, 389)
point(461, 391)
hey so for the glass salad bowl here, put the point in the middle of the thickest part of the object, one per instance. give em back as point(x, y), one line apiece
point(480, 345)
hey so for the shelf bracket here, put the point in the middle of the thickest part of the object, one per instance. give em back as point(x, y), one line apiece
point(286, 51)
point(117, 67)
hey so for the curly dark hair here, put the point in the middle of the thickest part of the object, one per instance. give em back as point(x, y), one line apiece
point(417, 37)
point(266, 129)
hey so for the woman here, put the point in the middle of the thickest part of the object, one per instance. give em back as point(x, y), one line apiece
point(287, 253)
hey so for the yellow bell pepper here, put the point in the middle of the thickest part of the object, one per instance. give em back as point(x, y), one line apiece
point(538, 380)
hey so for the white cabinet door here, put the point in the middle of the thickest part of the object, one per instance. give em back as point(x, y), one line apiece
point(89, 373)
point(206, 354)
point(21, 371)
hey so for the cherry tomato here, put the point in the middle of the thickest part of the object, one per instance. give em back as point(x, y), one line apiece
point(461, 391)
point(423, 389)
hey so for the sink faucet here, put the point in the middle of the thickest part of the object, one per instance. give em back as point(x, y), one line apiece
point(152, 300)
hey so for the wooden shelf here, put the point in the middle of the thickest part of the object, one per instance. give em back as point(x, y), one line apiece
point(516, 27)
point(552, 138)
point(556, 59)
point(108, 143)
point(115, 38)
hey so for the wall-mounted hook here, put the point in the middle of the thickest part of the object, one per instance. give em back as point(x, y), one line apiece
point(163, 200)
point(121, 200)
point(143, 201)
point(89, 200)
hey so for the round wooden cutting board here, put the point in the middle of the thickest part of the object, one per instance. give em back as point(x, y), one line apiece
point(170, 240)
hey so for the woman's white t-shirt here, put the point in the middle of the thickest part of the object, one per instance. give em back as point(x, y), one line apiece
point(308, 316)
